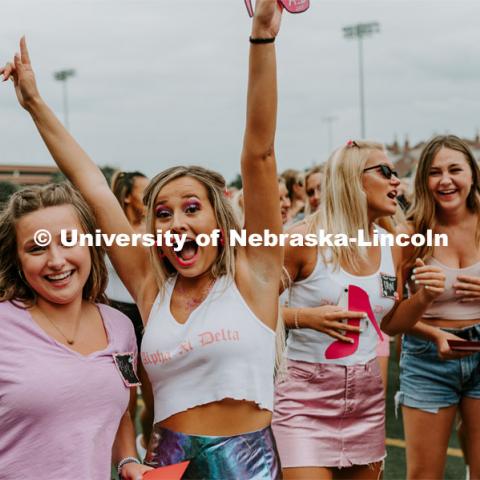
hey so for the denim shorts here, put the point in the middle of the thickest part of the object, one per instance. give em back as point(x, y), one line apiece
point(429, 383)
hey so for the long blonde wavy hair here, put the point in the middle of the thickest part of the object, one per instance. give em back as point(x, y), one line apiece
point(343, 205)
point(215, 184)
point(422, 213)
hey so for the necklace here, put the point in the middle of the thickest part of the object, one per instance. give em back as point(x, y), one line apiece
point(70, 340)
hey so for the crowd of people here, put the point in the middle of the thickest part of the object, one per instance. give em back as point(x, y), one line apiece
point(200, 331)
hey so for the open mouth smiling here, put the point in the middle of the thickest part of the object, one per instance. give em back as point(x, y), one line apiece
point(451, 191)
point(188, 254)
point(58, 277)
point(392, 195)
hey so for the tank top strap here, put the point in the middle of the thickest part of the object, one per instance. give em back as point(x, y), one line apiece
point(386, 257)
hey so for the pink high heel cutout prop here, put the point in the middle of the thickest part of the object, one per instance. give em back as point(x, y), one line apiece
point(291, 6)
point(358, 301)
point(170, 472)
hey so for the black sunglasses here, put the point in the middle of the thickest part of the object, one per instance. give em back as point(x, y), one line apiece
point(387, 172)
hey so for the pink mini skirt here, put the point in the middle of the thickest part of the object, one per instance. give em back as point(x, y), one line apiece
point(383, 346)
point(329, 415)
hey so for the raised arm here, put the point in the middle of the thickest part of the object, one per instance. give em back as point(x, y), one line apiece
point(130, 262)
point(260, 185)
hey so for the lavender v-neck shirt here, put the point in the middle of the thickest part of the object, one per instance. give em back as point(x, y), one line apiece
point(59, 410)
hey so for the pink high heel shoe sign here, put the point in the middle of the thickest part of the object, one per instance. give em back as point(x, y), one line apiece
point(291, 6)
point(358, 301)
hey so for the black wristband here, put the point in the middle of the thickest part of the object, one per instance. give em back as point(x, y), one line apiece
point(261, 40)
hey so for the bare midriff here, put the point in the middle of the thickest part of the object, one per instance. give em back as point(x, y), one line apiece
point(224, 418)
point(450, 323)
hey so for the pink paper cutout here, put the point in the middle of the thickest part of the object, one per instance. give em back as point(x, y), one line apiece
point(292, 6)
point(358, 301)
point(248, 4)
point(171, 472)
point(295, 6)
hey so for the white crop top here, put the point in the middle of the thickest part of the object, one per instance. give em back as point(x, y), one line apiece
point(222, 351)
point(326, 286)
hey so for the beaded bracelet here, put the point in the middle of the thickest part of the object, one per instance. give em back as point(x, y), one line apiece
point(124, 461)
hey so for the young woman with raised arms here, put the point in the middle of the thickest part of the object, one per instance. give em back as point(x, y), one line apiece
point(213, 402)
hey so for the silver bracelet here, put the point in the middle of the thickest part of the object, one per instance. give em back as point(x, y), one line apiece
point(124, 461)
point(295, 318)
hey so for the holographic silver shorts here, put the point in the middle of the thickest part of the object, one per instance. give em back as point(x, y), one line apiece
point(249, 456)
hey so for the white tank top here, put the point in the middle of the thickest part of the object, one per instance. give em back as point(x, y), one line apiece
point(326, 286)
point(222, 351)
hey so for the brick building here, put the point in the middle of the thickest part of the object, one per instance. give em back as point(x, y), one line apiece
point(405, 157)
point(23, 175)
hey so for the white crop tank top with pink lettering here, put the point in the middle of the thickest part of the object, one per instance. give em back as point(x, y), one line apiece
point(222, 351)
point(373, 294)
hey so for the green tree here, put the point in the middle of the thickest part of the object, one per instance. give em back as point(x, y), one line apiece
point(58, 177)
point(7, 189)
point(108, 172)
point(237, 182)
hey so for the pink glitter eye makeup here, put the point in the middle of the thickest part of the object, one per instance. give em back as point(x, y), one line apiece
point(192, 206)
point(161, 211)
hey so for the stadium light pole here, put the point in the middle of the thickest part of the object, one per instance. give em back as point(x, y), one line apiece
point(329, 120)
point(63, 76)
point(359, 31)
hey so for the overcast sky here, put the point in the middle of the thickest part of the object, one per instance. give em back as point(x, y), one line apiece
point(161, 83)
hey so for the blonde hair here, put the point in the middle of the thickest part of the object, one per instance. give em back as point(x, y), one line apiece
point(343, 206)
point(32, 199)
point(215, 185)
point(226, 221)
point(237, 205)
point(422, 213)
